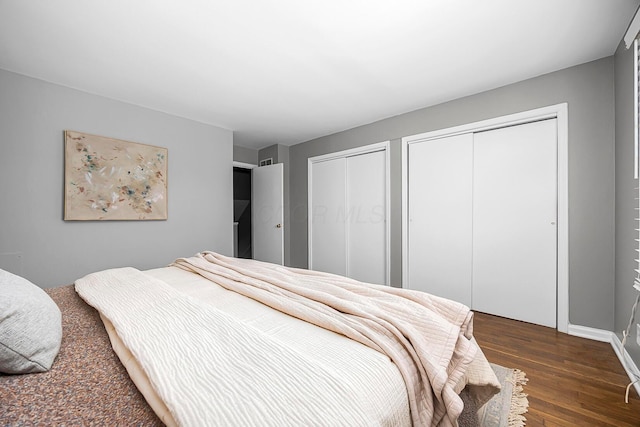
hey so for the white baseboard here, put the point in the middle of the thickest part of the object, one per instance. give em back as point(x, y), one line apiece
point(629, 366)
point(590, 333)
point(607, 336)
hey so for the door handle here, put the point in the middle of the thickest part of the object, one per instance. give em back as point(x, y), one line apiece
point(278, 225)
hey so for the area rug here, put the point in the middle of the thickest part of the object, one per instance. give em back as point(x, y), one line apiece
point(507, 408)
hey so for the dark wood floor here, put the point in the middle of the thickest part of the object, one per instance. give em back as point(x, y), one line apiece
point(572, 381)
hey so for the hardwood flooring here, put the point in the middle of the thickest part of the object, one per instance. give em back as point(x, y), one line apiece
point(572, 381)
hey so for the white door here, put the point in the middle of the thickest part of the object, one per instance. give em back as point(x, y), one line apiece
point(514, 222)
point(267, 188)
point(348, 231)
point(366, 227)
point(439, 228)
point(327, 249)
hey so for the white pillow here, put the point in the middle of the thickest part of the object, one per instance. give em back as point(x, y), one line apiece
point(30, 326)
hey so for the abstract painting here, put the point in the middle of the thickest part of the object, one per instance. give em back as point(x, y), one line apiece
point(111, 179)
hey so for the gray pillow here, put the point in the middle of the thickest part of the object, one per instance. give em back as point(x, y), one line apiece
point(30, 326)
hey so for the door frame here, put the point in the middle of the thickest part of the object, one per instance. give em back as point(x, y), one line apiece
point(252, 166)
point(244, 165)
point(248, 166)
point(365, 149)
point(559, 112)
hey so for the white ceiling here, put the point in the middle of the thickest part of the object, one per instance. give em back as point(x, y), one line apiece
point(287, 71)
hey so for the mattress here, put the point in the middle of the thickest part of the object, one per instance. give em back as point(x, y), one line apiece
point(369, 379)
point(227, 326)
point(88, 385)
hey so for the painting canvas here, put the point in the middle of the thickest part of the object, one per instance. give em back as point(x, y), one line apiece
point(111, 179)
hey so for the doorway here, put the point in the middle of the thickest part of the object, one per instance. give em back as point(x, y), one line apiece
point(242, 213)
point(258, 212)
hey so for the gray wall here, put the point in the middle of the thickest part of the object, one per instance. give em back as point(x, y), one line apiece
point(626, 193)
point(270, 152)
point(589, 91)
point(33, 116)
point(245, 155)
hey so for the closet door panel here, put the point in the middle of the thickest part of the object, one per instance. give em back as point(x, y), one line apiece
point(514, 222)
point(366, 217)
point(439, 230)
point(328, 241)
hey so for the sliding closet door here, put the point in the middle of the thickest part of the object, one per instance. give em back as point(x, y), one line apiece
point(348, 233)
point(328, 229)
point(514, 222)
point(365, 217)
point(439, 221)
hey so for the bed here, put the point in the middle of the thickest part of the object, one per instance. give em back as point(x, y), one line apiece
point(213, 340)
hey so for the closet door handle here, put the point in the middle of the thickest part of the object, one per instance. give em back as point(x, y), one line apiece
point(278, 225)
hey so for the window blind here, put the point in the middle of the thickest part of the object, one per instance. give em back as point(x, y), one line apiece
point(636, 109)
point(636, 281)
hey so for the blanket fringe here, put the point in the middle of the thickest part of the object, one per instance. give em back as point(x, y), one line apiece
point(519, 401)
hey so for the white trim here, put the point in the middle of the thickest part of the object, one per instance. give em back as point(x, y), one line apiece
point(347, 229)
point(366, 149)
point(244, 165)
point(404, 172)
point(627, 362)
point(494, 123)
point(621, 353)
point(633, 30)
point(607, 336)
point(562, 116)
point(558, 111)
point(635, 109)
point(388, 208)
point(309, 214)
point(590, 333)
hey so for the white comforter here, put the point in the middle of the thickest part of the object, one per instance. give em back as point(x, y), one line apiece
point(215, 357)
